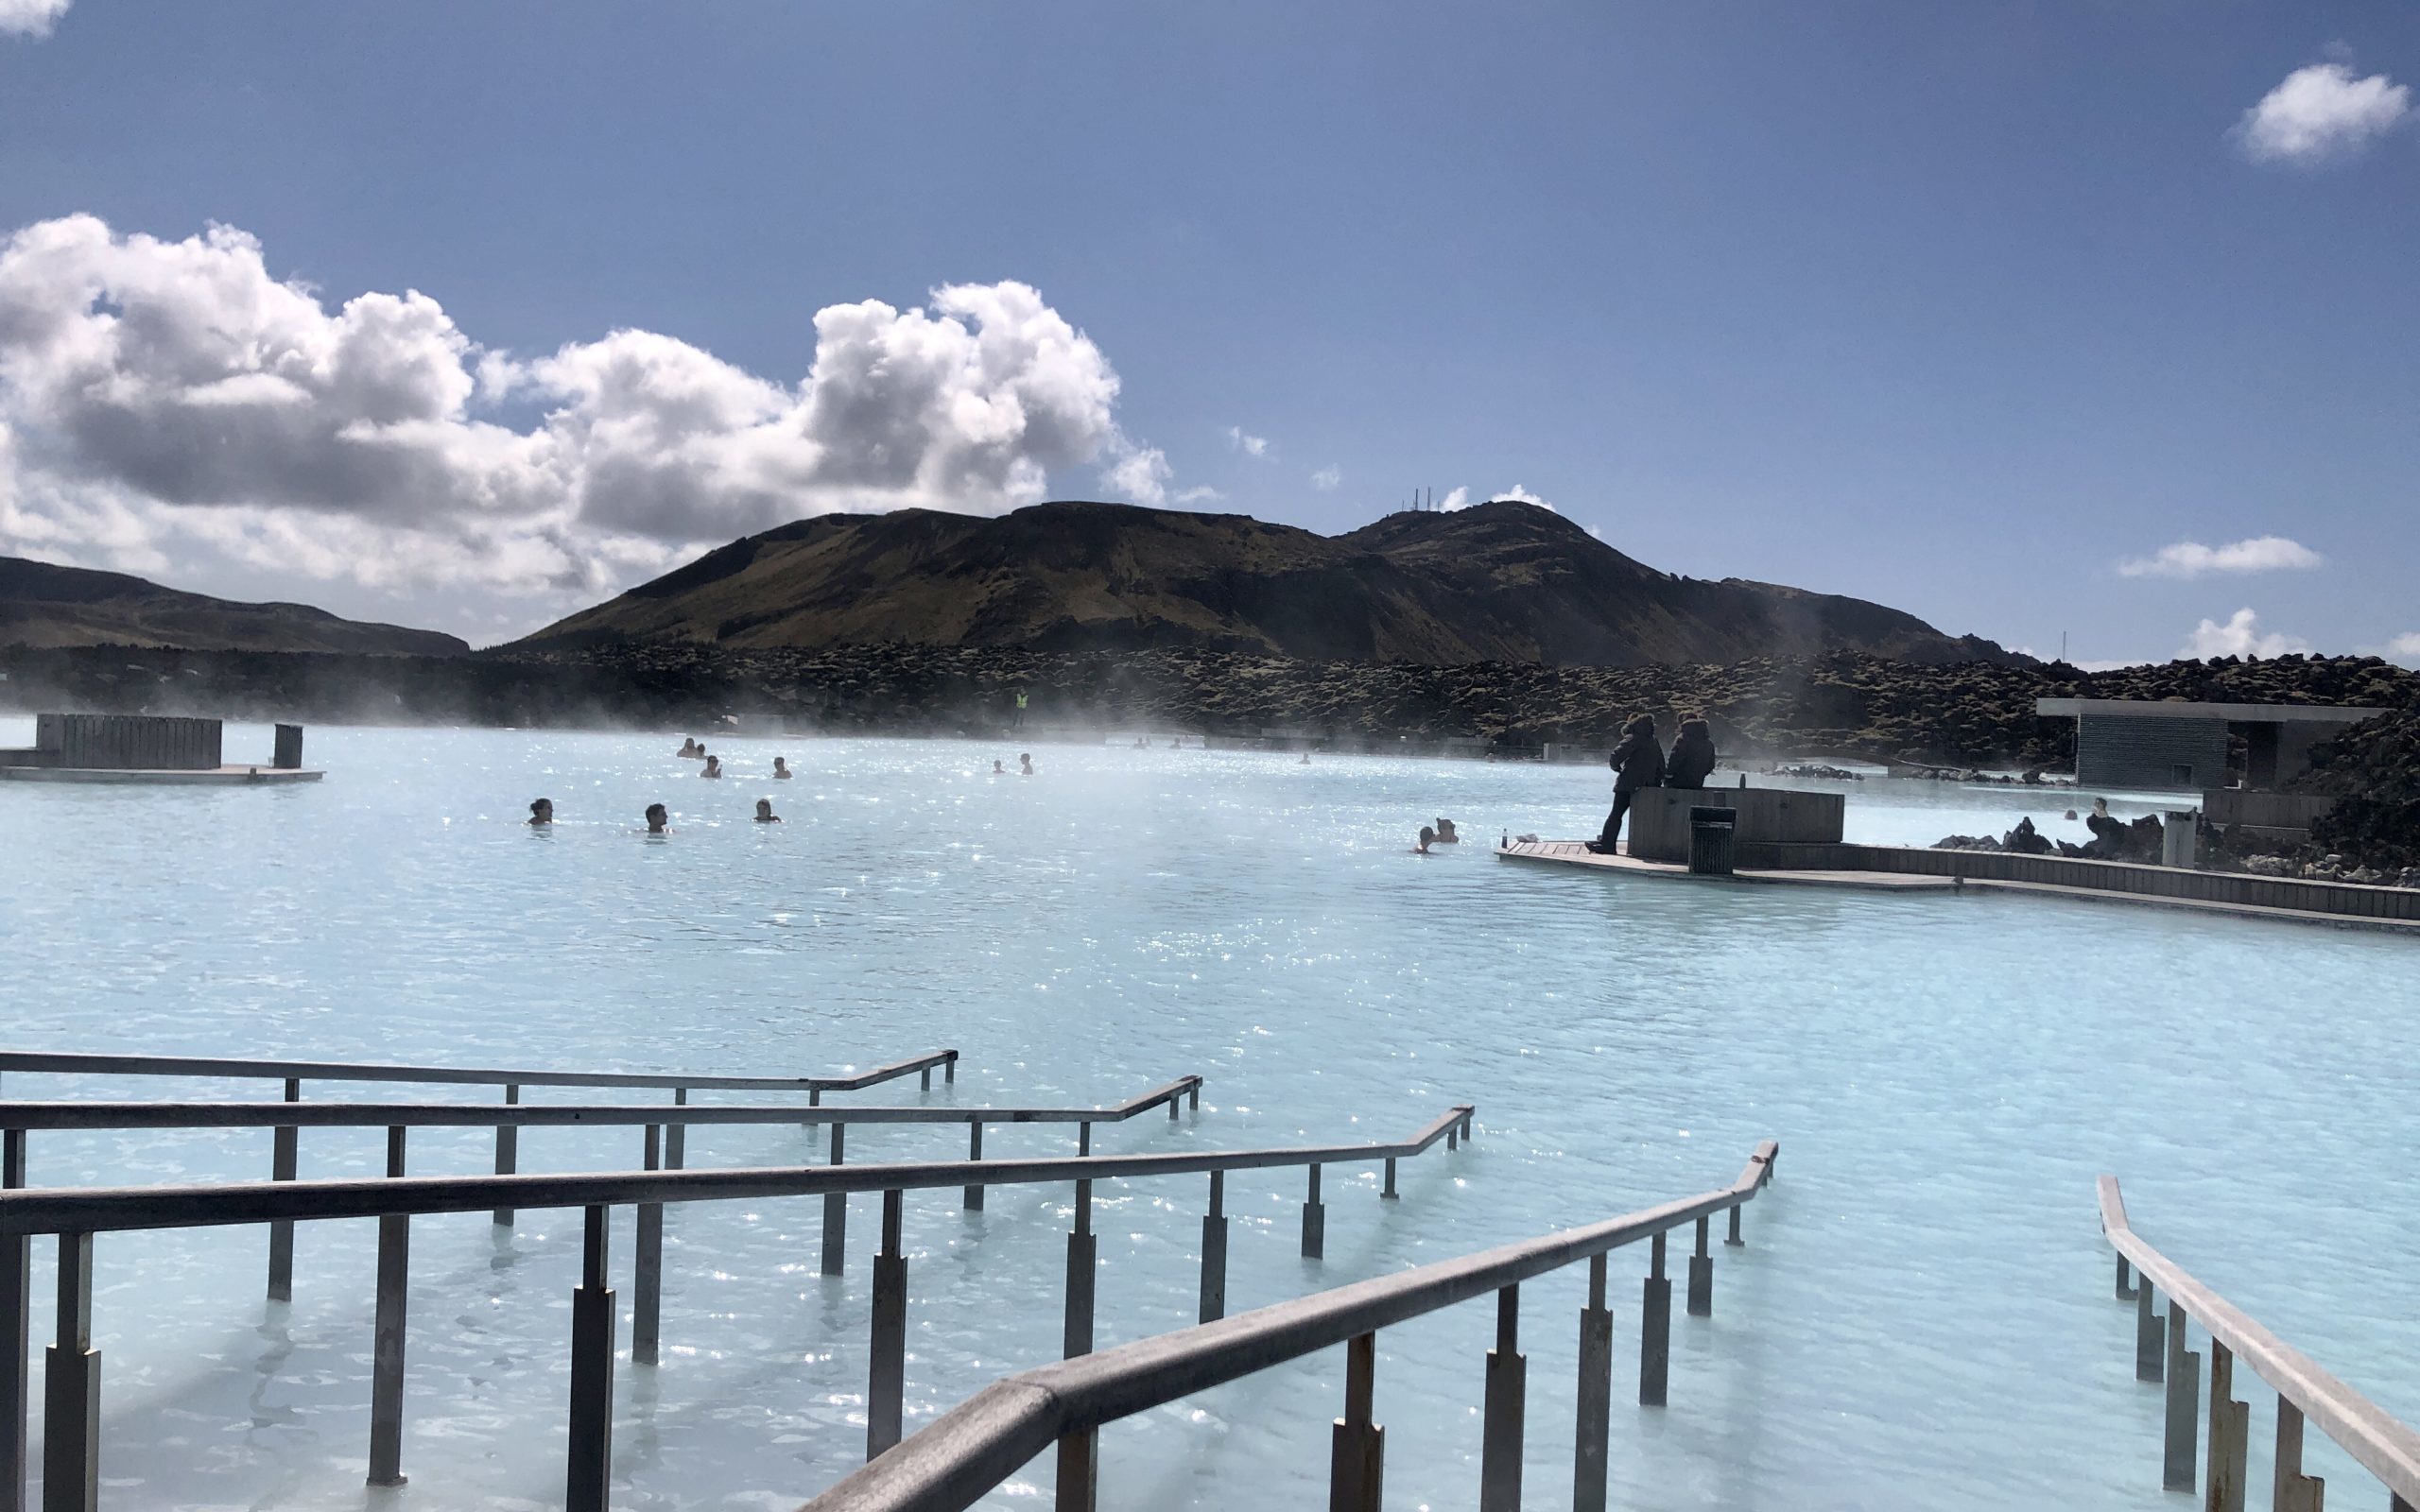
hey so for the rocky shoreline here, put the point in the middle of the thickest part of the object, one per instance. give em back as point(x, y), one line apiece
point(1959, 717)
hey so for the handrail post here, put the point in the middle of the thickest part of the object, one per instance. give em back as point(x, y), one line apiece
point(647, 1281)
point(508, 1149)
point(1193, 1096)
point(1733, 1237)
point(2184, 1396)
point(2150, 1334)
point(1214, 1252)
point(1356, 1458)
point(1701, 1276)
point(587, 1475)
point(1390, 1190)
point(887, 1378)
point(1314, 1220)
point(285, 1156)
point(1084, 1138)
point(2230, 1433)
point(1594, 1426)
point(1655, 1333)
point(1078, 1471)
point(676, 1137)
point(1084, 1247)
point(2294, 1490)
point(836, 1216)
point(974, 1152)
point(71, 1397)
point(2125, 1285)
point(1499, 1465)
point(814, 1099)
point(16, 1333)
point(949, 1068)
point(386, 1341)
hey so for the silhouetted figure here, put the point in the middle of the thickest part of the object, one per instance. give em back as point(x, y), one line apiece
point(782, 767)
point(1428, 838)
point(1445, 834)
point(1692, 759)
point(542, 813)
point(1024, 764)
point(657, 819)
point(764, 813)
point(713, 768)
point(999, 768)
point(1017, 720)
point(1637, 762)
point(690, 747)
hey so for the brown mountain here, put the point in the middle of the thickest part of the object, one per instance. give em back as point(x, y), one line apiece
point(1500, 582)
point(48, 605)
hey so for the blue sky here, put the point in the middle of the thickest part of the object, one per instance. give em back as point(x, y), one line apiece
point(1956, 307)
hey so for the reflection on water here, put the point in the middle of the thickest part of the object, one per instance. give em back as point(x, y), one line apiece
point(1922, 1315)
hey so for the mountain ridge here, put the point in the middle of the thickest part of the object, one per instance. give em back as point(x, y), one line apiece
point(49, 606)
point(1502, 581)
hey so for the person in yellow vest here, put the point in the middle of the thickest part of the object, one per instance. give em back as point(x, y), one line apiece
point(1019, 722)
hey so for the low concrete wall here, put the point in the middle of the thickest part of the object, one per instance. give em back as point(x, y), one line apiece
point(2263, 811)
point(1658, 826)
point(2098, 876)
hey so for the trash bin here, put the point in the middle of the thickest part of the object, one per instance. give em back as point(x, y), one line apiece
point(1710, 835)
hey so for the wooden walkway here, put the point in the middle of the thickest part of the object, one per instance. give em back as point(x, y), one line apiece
point(1576, 853)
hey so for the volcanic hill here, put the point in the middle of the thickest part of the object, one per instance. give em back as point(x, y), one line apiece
point(46, 606)
point(1498, 582)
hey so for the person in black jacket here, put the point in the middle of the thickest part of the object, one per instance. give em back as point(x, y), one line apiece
point(1637, 762)
point(1692, 757)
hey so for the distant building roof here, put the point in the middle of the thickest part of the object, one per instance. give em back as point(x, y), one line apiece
point(2236, 714)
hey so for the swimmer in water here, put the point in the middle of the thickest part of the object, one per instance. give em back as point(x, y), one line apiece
point(764, 813)
point(1428, 838)
point(542, 813)
point(782, 767)
point(1306, 759)
point(656, 820)
point(1445, 834)
point(1024, 764)
point(690, 747)
point(713, 768)
point(998, 767)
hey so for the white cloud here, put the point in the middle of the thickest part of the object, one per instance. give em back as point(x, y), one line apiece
point(1328, 479)
point(2320, 113)
point(172, 400)
point(2190, 559)
point(2404, 649)
point(2240, 636)
point(1202, 494)
point(1256, 446)
point(1461, 498)
point(30, 18)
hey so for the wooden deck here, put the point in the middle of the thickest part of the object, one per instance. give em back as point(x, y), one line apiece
point(197, 777)
point(1576, 853)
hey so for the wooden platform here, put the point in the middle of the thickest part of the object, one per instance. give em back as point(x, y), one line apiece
point(197, 777)
point(1576, 853)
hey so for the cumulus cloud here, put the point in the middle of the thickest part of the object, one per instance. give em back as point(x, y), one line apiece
point(2321, 113)
point(1328, 479)
point(2190, 559)
point(162, 398)
point(2241, 635)
point(1461, 498)
point(1199, 494)
point(2404, 649)
point(30, 18)
point(1249, 445)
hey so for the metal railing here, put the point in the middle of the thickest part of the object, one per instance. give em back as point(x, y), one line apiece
point(72, 1379)
point(972, 1448)
point(2305, 1393)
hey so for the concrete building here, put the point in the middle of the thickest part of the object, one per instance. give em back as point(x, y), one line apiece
point(2141, 743)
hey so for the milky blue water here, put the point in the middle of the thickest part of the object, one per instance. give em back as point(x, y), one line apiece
point(1923, 1315)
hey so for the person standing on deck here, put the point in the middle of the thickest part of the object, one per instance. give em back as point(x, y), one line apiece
point(1018, 722)
point(1637, 762)
point(1692, 759)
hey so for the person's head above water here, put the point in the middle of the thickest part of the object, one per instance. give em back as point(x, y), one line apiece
point(656, 818)
point(542, 811)
point(1428, 838)
point(764, 813)
point(713, 768)
point(1025, 761)
point(781, 766)
point(1000, 766)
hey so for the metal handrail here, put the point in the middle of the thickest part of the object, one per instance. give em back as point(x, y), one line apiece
point(971, 1449)
point(2378, 1442)
point(69, 1063)
point(76, 1215)
point(98, 1115)
point(122, 1209)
